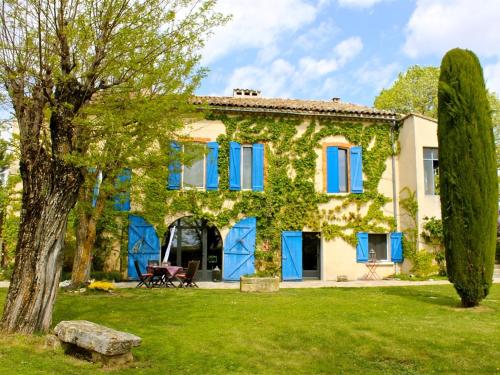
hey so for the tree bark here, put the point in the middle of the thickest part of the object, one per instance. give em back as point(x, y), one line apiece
point(85, 239)
point(46, 203)
point(50, 188)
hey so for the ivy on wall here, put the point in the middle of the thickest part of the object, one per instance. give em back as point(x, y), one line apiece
point(290, 200)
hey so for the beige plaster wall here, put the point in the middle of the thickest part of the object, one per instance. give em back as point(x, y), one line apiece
point(337, 256)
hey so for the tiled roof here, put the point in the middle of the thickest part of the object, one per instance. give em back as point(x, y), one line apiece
point(293, 106)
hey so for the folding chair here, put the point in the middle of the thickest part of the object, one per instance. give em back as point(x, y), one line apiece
point(187, 278)
point(145, 278)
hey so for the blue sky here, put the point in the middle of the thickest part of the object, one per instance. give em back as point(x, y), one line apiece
point(319, 49)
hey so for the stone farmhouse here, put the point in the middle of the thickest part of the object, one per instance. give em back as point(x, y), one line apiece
point(308, 189)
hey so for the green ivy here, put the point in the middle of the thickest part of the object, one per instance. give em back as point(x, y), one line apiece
point(290, 200)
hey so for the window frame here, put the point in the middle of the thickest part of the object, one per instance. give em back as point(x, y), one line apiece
point(344, 146)
point(424, 159)
point(203, 142)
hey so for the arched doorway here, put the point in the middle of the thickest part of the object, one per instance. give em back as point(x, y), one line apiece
point(194, 240)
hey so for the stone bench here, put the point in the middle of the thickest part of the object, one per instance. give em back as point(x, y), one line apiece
point(95, 342)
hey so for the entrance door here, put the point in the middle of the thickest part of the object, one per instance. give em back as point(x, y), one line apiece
point(311, 246)
point(143, 245)
point(239, 250)
point(291, 255)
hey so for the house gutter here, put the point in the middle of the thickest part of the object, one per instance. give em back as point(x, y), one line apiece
point(394, 185)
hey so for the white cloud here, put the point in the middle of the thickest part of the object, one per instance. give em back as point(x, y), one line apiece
point(358, 3)
point(376, 75)
point(282, 79)
point(439, 25)
point(257, 24)
point(343, 52)
point(492, 77)
point(318, 36)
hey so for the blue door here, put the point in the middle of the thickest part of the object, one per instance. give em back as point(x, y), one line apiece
point(291, 255)
point(143, 245)
point(239, 249)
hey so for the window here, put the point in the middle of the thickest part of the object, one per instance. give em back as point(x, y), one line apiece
point(246, 166)
point(193, 176)
point(377, 244)
point(343, 169)
point(431, 171)
point(202, 171)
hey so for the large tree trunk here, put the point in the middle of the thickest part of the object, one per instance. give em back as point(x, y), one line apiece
point(46, 204)
point(85, 239)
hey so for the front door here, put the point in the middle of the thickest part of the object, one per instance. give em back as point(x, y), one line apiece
point(291, 255)
point(239, 250)
point(311, 245)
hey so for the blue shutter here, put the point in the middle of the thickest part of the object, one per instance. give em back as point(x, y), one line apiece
point(143, 245)
point(239, 249)
point(95, 190)
point(332, 170)
point(234, 166)
point(174, 168)
point(397, 247)
point(258, 167)
point(356, 170)
point(291, 255)
point(362, 247)
point(212, 182)
point(122, 198)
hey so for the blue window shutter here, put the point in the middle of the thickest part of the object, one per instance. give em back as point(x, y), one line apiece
point(362, 247)
point(234, 166)
point(258, 167)
point(356, 170)
point(212, 182)
point(95, 191)
point(332, 170)
point(397, 247)
point(122, 198)
point(174, 169)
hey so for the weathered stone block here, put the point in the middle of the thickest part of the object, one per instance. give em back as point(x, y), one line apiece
point(259, 284)
point(96, 338)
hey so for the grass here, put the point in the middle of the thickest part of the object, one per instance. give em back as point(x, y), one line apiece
point(396, 330)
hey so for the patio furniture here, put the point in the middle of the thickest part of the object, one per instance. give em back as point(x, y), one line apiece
point(187, 278)
point(166, 274)
point(144, 278)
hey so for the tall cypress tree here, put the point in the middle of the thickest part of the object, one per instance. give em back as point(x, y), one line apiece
point(468, 176)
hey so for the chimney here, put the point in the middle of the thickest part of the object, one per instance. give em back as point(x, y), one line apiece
point(246, 93)
point(336, 100)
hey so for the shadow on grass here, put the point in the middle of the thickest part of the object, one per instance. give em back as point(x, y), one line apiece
point(430, 296)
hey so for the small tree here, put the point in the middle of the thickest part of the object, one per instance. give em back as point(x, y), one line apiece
point(469, 189)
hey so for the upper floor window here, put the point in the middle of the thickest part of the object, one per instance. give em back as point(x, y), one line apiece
point(246, 166)
point(344, 171)
point(193, 175)
point(202, 170)
point(431, 171)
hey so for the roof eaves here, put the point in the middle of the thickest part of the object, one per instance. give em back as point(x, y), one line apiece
point(386, 116)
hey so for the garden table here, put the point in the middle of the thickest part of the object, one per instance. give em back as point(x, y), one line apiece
point(168, 274)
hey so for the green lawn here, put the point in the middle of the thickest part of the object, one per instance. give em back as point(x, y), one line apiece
point(398, 330)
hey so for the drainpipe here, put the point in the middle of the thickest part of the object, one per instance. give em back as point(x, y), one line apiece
point(394, 186)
